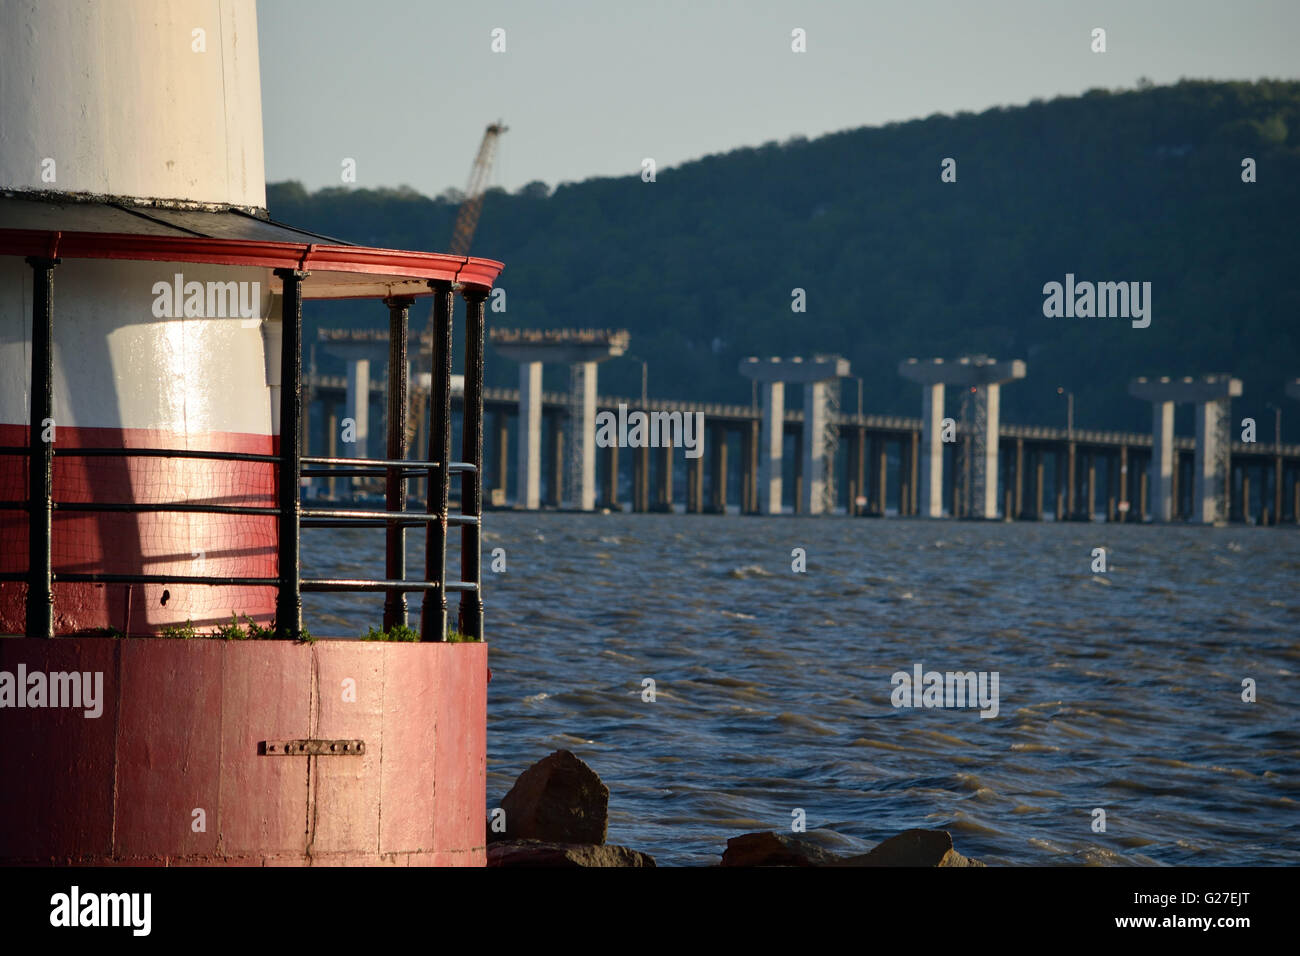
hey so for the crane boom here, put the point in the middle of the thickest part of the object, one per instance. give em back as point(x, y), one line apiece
point(472, 206)
point(463, 234)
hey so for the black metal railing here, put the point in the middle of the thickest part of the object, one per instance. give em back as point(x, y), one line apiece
point(288, 511)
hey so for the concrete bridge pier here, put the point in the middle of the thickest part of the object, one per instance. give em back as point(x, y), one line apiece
point(718, 470)
point(985, 376)
point(932, 450)
point(664, 490)
point(641, 480)
point(610, 499)
point(1038, 484)
point(528, 465)
point(358, 356)
point(582, 350)
point(750, 440)
point(695, 485)
point(815, 484)
point(1212, 396)
point(555, 493)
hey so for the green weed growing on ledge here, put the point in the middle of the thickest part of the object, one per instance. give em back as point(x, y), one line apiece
point(398, 633)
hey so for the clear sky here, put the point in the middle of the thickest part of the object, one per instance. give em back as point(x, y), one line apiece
point(591, 87)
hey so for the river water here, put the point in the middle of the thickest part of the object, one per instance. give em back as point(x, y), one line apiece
point(1120, 691)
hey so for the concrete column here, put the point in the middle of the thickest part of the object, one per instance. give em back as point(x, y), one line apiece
point(1162, 461)
point(859, 468)
point(984, 499)
point(913, 471)
point(905, 446)
point(582, 384)
point(1071, 472)
point(332, 447)
point(1018, 491)
point(1038, 483)
point(611, 476)
point(797, 498)
point(880, 474)
point(1211, 417)
point(502, 453)
point(695, 485)
point(771, 444)
point(1143, 477)
point(664, 498)
point(358, 407)
point(1245, 496)
point(960, 459)
point(641, 479)
point(749, 442)
point(1177, 486)
point(718, 471)
point(1060, 513)
point(557, 461)
point(528, 484)
point(815, 468)
point(1277, 489)
point(1125, 504)
point(931, 490)
point(1092, 486)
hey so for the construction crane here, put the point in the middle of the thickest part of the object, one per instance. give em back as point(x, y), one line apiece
point(472, 205)
point(463, 234)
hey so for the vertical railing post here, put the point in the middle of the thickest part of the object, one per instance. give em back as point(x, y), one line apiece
point(395, 482)
point(433, 612)
point(288, 598)
point(40, 454)
point(471, 487)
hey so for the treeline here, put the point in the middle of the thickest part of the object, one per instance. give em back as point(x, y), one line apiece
point(701, 265)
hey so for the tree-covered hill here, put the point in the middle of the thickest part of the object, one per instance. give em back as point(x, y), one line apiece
point(1142, 185)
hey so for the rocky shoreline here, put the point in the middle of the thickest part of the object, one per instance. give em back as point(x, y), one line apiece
point(557, 815)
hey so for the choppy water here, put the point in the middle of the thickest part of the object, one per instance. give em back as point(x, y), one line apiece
point(1119, 690)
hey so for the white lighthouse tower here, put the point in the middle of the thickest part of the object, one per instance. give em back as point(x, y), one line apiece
point(129, 117)
point(150, 470)
point(134, 234)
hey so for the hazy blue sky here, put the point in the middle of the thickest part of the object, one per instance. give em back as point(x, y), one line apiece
point(405, 87)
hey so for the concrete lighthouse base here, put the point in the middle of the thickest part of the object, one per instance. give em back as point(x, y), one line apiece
point(161, 761)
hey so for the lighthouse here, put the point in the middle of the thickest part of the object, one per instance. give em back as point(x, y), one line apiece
point(150, 470)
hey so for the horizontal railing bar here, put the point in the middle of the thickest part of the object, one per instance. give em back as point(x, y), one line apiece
point(355, 523)
point(360, 584)
point(81, 577)
point(359, 473)
point(165, 453)
point(386, 515)
point(405, 474)
point(421, 464)
point(119, 507)
point(391, 462)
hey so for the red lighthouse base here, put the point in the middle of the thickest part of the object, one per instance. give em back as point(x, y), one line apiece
point(173, 771)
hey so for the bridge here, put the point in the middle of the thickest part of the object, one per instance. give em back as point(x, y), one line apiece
point(1037, 472)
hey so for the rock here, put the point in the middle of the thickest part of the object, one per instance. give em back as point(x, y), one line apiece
point(559, 799)
point(539, 853)
point(775, 849)
point(913, 848)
